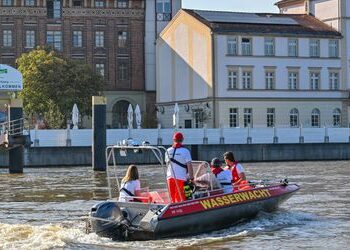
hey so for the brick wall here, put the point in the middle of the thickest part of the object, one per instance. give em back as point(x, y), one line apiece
point(131, 20)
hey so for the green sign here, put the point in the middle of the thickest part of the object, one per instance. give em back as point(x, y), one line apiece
point(10, 78)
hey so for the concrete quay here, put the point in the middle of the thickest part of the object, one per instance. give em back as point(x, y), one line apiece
point(81, 156)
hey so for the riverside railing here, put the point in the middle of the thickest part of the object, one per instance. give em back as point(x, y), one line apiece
point(83, 137)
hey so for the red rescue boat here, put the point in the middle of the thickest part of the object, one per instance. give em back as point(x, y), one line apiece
point(209, 208)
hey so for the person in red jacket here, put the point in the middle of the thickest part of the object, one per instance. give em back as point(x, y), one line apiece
point(239, 180)
point(180, 168)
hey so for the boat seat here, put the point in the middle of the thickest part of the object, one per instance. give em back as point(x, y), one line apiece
point(158, 197)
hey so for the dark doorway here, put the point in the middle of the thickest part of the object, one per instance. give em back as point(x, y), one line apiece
point(120, 114)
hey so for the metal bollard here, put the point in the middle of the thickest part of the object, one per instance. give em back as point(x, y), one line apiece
point(99, 133)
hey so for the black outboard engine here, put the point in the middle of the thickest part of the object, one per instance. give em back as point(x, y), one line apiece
point(108, 220)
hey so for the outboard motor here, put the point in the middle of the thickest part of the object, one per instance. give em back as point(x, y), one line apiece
point(108, 220)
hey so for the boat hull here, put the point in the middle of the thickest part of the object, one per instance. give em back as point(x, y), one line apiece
point(216, 219)
point(200, 215)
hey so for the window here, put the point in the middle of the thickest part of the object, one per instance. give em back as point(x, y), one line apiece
point(269, 46)
point(77, 3)
point(198, 118)
point(30, 38)
point(270, 80)
point(247, 117)
point(336, 118)
point(247, 80)
point(123, 71)
point(77, 39)
point(233, 119)
point(314, 48)
point(232, 46)
point(29, 3)
point(334, 80)
point(293, 47)
point(7, 38)
point(6, 2)
point(54, 9)
point(99, 3)
point(54, 38)
point(315, 118)
point(163, 6)
point(293, 80)
point(314, 80)
point(294, 118)
point(122, 38)
point(100, 69)
point(232, 76)
point(99, 39)
point(270, 117)
point(246, 46)
point(188, 123)
point(122, 3)
point(333, 47)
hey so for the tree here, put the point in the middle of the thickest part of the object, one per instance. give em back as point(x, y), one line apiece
point(52, 84)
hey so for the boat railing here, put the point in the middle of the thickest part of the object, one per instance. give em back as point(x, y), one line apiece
point(124, 149)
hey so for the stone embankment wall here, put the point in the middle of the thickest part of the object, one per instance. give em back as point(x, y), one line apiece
point(81, 156)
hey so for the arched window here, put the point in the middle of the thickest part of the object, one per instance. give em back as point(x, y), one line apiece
point(315, 118)
point(336, 118)
point(294, 118)
point(120, 114)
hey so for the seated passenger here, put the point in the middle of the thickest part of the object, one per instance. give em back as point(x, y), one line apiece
point(130, 185)
point(239, 180)
point(222, 177)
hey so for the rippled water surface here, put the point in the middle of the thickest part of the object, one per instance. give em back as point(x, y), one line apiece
point(46, 209)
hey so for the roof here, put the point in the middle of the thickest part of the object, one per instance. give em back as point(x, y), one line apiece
point(264, 23)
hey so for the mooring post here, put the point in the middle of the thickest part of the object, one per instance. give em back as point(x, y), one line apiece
point(99, 133)
point(159, 139)
point(16, 154)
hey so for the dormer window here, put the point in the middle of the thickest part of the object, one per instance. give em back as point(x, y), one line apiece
point(54, 9)
point(77, 3)
point(29, 3)
point(7, 3)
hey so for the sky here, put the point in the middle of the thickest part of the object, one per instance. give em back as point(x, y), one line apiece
point(266, 6)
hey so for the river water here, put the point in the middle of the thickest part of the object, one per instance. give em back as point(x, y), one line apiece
point(46, 209)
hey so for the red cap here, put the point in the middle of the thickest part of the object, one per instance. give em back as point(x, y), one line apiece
point(178, 136)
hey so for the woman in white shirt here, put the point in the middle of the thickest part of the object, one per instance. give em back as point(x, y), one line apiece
point(130, 185)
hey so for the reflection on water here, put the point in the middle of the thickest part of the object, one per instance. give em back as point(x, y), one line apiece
point(46, 208)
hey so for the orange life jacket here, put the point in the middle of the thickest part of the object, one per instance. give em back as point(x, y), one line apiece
point(234, 172)
point(243, 184)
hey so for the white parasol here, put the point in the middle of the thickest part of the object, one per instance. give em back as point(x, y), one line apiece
point(75, 116)
point(176, 116)
point(138, 116)
point(130, 116)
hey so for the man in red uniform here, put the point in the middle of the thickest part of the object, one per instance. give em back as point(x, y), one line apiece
point(179, 169)
point(238, 176)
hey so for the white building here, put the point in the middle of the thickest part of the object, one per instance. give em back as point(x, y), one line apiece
point(244, 69)
point(158, 15)
point(335, 13)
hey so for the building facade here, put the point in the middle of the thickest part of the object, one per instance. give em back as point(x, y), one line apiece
point(113, 36)
point(336, 14)
point(244, 69)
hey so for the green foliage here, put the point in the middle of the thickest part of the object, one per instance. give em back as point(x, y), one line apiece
point(53, 116)
point(52, 84)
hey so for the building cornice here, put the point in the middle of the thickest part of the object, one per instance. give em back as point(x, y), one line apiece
point(284, 57)
point(285, 3)
point(22, 11)
point(88, 12)
point(262, 98)
point(73, 12)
